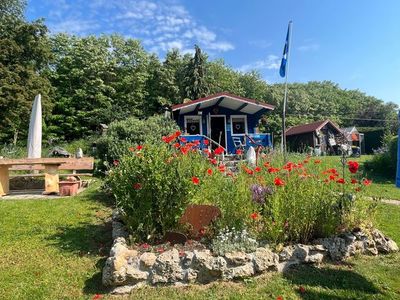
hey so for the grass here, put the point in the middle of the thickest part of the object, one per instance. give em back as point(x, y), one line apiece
point(55, 249)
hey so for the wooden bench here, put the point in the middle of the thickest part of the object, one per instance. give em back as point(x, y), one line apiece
point(49, 168)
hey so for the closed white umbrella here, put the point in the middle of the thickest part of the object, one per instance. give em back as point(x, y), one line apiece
point(35, 129)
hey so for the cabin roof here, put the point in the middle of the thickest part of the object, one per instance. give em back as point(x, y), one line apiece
point(224, 99)
point(311, 127)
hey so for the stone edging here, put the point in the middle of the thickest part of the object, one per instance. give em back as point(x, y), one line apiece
point(126, 269)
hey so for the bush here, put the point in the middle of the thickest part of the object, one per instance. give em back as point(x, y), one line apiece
point(385, 163)
point(273, 202)
point(131, 132)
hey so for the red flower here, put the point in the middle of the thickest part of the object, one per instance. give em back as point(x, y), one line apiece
point(177, 133)
point(279, 298)
point(273, 170)
point(145, 246)
point(176, 145)
point(367, 182)
point(183, 140)
point(206, 142)
point(354, 181)
point(139, 147)
point(131, 149)
point(239, 151)
point(195, 180)
point(209, 171)
point(357, 189)
point(266, 164)
point(353, 166)
point(116, 162)
point(137, 186)
point(317, 161)
point(185, 150)
point(219, 151)
point(213, 161)
point(160, 250)
point(289, 166)
point(257, 169)
point(332, 177)
point(221, 168)
point(97, 297)
point(248, 171)
point(278, 181)
point(254, 216)
point(341, 180)
point(302, 290)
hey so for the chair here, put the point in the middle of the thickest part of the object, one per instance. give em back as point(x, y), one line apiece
point(238, 143)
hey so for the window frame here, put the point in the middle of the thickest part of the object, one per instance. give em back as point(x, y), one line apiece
point(193, 117)
point(245, 125)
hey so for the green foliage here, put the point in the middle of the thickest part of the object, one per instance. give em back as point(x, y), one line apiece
point(230, 240)
point(196, 85)
point(153, 186)
point(121, 135)
point(385, 163)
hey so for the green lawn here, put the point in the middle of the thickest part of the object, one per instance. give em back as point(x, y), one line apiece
point(55, 249)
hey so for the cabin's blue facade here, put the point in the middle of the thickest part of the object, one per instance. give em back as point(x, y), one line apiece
point(223, 124)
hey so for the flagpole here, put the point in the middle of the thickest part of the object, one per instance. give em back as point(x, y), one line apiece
point(283, 141)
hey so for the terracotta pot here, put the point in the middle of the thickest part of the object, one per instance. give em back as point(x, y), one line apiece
point(68, 188)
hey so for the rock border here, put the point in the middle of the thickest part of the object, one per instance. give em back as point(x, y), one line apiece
point(127, 269)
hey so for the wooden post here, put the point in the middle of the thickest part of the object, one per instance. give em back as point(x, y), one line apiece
point(4, 181)
point(51, 179)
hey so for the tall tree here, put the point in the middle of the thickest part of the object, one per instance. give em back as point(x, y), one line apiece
point(24, 58)
point(196, 85)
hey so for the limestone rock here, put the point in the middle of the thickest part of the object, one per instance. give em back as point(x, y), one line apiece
point(187, 259)
point(114, 271)
point(119, 230)
point(147, 260)
point(237, 258)
point(265, 259)
point(239, 272)
point(134, 275)
point(167, 269)
point(189, 275)
point(209, 268)
point(383, 243)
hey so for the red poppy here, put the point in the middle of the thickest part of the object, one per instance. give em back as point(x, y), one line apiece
point(209, 171)
point(273, 170)
point(195, 180)
point(145, 246)
point(289, 166)
point(139, 147)
point(278, 181)
point(116, 162)
point(131, 149)
point(317, 161)
point(257, 169)
point(213, 161)
point(196, 142)
point(183, 140)
point(239, 151)
point(206, 142)
point(219, 151)
point(248, 171)
point(177, 133)
point(279, 298)
point(354, 181)
point(353, 166)
point(367, 182)
point(185, 150)
point(332, 177)
point(254, 216)
point(221, 168)
point(302, 290)
point(305, 161)
point(266, 164)
point(137, 186)
point(97, 297)
point(341, 181)
point(331, 171)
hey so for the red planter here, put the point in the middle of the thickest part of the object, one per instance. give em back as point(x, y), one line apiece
point(68, 188)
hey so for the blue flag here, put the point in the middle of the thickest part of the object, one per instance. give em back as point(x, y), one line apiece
point(398, 158)
point(282, 70)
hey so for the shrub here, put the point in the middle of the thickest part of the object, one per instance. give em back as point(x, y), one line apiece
point(385, 163)
point(229, 240)
point(130, 132)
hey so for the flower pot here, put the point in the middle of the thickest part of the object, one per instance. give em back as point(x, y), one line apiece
point(68, 188)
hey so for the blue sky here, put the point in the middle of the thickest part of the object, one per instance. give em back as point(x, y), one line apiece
point(354, 43)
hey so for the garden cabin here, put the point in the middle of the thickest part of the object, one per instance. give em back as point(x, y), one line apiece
point(354, 138)
point(323, 137)
point(229, 120)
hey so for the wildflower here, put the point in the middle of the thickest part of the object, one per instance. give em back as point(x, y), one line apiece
point(278, 181)
point(206, 151)
point(202, 231)
point(116, 162)
point(353, 166)
point(176, 145)
point(185, 149)
point(279, 298)
point(341, 181)
point(206, 142)
point(209, 172)
point(289, 166)
point(357, 189)
point(239, 151)
point(160, 250)
point(257, 169)
point(302, 290)
point(131, 149)
point(273, 170)
point(248, 171)
point(266, 164)
point(219, 150)
point(97, 297)
point(259, 193)
point(183, 140)
point(139, 147)
point(195, 180)
point(137, 186)
point(332, 177)
point(354, 181)
point(366, 182)
point(145, 246)
point(213, 161)
point(254, 216)
point(221, 168)
point(177, 133)
point(317, 161)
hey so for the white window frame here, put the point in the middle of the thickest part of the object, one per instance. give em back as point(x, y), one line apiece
point(193, 117)
point(245, 125)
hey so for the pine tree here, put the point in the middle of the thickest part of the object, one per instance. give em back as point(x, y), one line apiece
point(196, 85)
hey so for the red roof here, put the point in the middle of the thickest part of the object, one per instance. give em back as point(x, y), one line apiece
point(311, 127)
point(223, 94)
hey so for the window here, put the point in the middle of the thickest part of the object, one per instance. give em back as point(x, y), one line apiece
point(193, 125)
point(239, 124)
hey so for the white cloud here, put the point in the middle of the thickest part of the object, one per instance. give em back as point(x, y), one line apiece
point(260, 44)
point(272, 62)
point(308, 47)
point(160, 25)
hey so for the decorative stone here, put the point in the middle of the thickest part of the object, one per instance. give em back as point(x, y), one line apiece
point(189, 275)
point(186, 259)
point(383, 243)
point(134, 275)
point(240, 272)
point(147, 260)
point(166, 269)
point(114, 271)
point(237, 258)
point(119, 230)
point(265, 259)
point(209, 268)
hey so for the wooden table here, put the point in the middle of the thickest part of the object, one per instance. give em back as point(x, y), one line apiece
point(49, 165)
